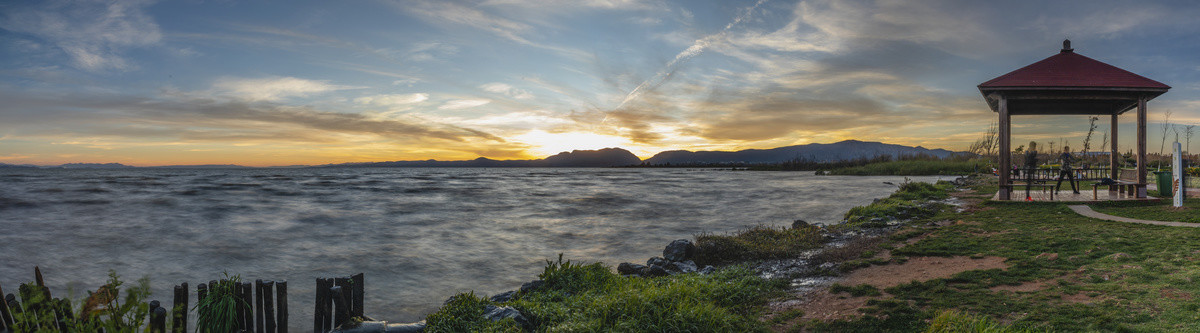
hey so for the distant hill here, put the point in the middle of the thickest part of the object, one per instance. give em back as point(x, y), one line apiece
point(607, 157)
point(816, 152)
point(17, 166)
point(199, 166)
point(95, 166)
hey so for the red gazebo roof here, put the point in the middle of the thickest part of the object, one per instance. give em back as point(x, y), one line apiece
point(1070, 69)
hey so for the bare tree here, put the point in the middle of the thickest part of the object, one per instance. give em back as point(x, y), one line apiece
point(1187, 134)
point(1104, 143)
point(1087, 141)
point(990, 138)
point(1166, 125)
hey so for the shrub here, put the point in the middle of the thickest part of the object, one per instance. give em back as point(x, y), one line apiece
point(102, 310)
point(591, 298)
point(217, 311)
point(757, 243)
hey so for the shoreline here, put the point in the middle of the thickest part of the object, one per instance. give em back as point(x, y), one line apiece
point(811, 270)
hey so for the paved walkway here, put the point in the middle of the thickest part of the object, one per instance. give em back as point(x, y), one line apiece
point(1087, 211)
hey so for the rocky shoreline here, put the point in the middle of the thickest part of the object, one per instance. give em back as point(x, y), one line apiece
point(809, 271)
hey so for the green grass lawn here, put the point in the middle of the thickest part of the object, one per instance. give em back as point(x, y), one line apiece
point(1161, 210)
point(1106, 276)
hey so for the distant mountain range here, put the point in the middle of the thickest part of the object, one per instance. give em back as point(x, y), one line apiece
point(815, 152)
point(607, 157)
point(610, 157)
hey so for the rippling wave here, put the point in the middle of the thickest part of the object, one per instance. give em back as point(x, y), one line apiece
point(420, 235)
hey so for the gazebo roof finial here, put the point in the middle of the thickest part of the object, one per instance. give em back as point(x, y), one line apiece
point(1067, 46)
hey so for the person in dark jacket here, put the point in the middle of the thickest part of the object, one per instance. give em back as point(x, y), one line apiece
point(1065, 170)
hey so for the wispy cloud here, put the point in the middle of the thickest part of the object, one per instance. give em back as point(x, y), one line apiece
point(94, 34)
point(695, 49)
point(392, 100)
point(206, 120)
point(506, 89)
point(455, 14)
point(459, 104)
point(273, 89)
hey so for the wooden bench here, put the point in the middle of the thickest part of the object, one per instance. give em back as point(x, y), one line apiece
point(1040, 184)
point(1126, 179)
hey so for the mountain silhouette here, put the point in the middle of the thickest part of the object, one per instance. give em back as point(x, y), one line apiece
point(816, 152)
point(607, 157)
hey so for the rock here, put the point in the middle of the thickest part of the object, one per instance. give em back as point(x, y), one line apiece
point(383, 327)
point(681, 267)
point(708, 269)
point(798, 224)
point(679, 250)
point(406, 328)
point(654, 271)
point(657, 261)
point(498, 313)
point(532, 285)
point(504, 296)
point(629, 269)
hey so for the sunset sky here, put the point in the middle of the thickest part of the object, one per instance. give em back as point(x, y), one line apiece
point(312, 82)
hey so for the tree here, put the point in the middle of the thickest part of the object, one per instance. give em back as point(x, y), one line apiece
point(1087, 141)
point(1166, 125)
point(1187, 134)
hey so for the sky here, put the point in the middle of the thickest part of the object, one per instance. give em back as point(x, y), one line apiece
point(269, 83)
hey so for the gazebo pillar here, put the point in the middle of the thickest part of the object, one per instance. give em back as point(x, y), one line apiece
point(1005, 191)
point(1114, 160)
point(1141, 147)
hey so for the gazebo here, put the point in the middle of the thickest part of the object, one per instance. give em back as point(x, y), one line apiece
point(1068, 83)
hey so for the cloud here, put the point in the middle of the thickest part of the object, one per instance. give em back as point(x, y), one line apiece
point(93, 34)
point(507, 90)
point(463, 104)
point(392, 100)
point(206, 120)
point(454, 14)
point(273, 88)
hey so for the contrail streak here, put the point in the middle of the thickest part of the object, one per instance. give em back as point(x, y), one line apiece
point(692, 51)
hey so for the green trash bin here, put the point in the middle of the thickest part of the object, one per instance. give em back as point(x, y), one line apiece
point(1164, 184)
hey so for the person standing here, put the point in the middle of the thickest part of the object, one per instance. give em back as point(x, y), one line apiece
point(1030, 166)
point(1065, 170)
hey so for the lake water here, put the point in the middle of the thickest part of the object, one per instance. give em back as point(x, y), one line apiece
point(419, 235)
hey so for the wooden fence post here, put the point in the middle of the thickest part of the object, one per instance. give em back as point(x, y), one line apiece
point(269, 306)
point(201, 291)
point(179, 310)
point(258, 306)
point(281, 311)
point(321, 314)
point(158, 317)
point(356, 282)
point(247, 308)
point(340, 313)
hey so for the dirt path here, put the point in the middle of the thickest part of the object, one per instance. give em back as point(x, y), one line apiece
point(1087, 211)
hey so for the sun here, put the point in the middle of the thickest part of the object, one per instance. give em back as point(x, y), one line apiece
point(546, 143)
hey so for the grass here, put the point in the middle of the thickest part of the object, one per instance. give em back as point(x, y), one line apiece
point(910, 201)
point(926, 167)
point(591, 298)
point(757, 243)
point(957, 322)
point(217, 311)
point(1106, 276)
point(1161, 210)
point(102, 310)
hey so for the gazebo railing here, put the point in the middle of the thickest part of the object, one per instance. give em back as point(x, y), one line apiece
point(1051, 174)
